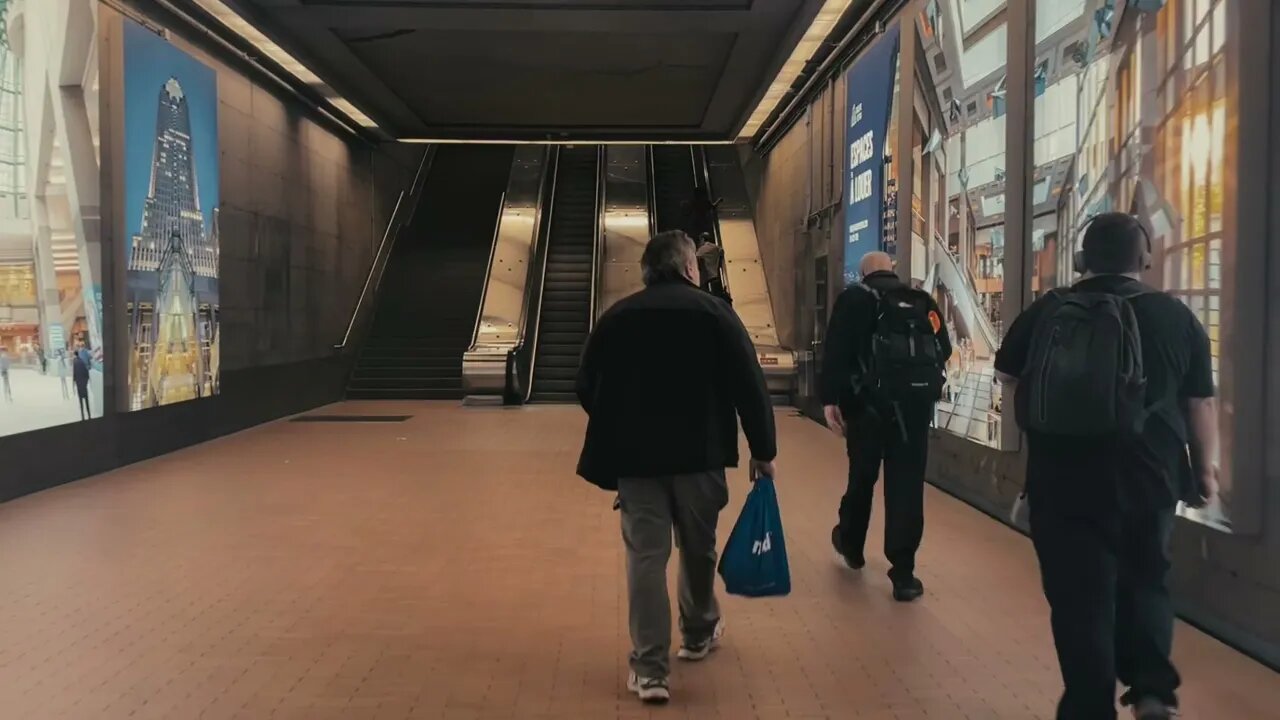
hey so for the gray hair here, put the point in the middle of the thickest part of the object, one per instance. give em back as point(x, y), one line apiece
point(666, 257)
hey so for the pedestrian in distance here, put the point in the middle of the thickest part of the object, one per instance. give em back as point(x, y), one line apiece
point(80, 376)
point(883, 374)
point(5, 366)
point(60, 362)
point(661, 434)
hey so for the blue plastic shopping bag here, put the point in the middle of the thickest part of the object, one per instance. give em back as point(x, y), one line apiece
point(754, 563)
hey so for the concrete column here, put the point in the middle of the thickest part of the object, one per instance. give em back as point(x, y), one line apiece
point(76, 140)
point(904, 148)
point(1020, 170)
point(1249, 299)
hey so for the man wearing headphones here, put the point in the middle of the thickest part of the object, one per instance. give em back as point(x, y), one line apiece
point(1102, 504)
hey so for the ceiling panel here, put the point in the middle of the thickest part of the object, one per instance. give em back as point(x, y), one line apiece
point(504, 69)
point(513, 79)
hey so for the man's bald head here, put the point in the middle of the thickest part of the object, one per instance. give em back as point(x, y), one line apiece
point(874, 262)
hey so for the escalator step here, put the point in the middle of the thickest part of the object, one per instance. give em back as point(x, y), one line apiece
point(568, 339)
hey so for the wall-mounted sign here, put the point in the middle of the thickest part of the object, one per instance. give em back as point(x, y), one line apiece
point(869, 84)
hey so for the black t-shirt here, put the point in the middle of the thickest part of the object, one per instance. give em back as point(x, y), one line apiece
point(1156, 471)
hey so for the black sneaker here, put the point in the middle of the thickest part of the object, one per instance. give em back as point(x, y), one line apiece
point(854, 562)
point(908, 590)
point(653, 691)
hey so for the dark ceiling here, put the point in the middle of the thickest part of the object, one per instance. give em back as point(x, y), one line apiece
point(536, 69)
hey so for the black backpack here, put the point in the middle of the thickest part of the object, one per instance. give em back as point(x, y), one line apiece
point(904, 362)
point(1084, 374)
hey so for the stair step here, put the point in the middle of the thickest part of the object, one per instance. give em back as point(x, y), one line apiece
point(402, 383)
point(574, 340)
point(402, 394)
point(364, 372)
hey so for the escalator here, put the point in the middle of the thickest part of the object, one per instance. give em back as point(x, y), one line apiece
point(673, 185)
point(432, 285)
point(565, 320)
point(949, 273)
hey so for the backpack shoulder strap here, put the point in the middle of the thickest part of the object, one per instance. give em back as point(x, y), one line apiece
point(874, 292)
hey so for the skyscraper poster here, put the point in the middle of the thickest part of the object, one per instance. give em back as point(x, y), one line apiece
point(171, 221)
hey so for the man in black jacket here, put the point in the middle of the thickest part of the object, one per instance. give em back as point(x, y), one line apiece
point(664, 378)
point(877, 429)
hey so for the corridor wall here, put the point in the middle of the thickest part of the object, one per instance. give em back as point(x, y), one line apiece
point(1092, 110)
point(303, 206)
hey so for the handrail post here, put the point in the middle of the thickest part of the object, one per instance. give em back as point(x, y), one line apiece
point(381, 255)
point(597, 246)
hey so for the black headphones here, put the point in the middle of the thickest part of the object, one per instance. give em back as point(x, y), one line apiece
point(1081, 267)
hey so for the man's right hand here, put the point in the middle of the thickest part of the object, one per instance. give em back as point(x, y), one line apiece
point(1208, 487)
point(835, 419)
point(762, 468)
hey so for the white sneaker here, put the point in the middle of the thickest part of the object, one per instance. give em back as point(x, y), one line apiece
point(700, 651)
point(650, 690)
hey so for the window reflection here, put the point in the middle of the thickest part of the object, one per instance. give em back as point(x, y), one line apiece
point(963, 88)
point(1153, 127)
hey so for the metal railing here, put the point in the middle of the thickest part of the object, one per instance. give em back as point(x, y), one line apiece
point(377, 268)
point(597, 247)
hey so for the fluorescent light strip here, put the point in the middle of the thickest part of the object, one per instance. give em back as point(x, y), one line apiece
point(238, 25)
point(583, 141)
point(823, 23)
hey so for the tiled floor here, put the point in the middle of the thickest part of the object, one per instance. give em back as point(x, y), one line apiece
point(453, 567)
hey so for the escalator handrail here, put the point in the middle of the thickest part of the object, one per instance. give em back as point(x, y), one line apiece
point(597, 246)
point(651, 189)
point(542, 253)
point(493, 252)
point(715, 214)
point(387, 244)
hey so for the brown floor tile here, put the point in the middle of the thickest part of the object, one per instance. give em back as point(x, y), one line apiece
point(452, 567)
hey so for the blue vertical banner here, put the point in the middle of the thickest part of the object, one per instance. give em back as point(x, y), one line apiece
point(869, 97)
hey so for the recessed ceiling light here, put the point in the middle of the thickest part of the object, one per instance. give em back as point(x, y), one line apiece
point(823, 23)
point(250, 34)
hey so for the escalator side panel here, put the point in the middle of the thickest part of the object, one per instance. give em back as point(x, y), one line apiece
point(501, 318)
point(742, 258)
point(625, 221)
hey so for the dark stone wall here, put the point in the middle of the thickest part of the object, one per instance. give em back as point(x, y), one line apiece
point(303, 208)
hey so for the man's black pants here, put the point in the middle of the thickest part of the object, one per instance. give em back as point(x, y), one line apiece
point(872, 438)
point(1104, 577)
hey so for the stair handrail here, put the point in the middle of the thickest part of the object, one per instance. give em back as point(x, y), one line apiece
point(538, 269)
point(597, 247)
point(382, 255)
